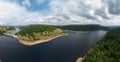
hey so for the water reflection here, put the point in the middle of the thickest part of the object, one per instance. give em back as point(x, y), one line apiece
point(63, 49)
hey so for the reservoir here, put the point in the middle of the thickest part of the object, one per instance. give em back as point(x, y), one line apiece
point(63, 49)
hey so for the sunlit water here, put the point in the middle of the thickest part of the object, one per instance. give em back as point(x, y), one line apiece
point(63, 49)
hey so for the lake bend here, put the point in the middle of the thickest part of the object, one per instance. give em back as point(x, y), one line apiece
point(62, 49)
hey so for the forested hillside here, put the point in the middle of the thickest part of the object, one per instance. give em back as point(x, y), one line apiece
point(86, 27)
point(107, 49)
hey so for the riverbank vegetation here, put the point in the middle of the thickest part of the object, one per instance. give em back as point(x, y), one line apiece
point(4, 29)
point(38, 32)
point(107, 49)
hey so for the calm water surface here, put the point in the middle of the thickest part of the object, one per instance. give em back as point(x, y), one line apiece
point(63, 49)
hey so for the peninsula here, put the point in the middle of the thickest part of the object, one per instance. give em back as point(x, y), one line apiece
point(34, 34)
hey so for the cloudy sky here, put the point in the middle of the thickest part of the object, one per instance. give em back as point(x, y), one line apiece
point(60, 12)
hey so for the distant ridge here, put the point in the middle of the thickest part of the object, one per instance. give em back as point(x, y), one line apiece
point(87, 27)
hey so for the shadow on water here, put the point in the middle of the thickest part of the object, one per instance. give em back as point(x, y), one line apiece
point(62, 49)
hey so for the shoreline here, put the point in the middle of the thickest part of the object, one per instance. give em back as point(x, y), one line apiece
point(28, 43)
point(80, 59)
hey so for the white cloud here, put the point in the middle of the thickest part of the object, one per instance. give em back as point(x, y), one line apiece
point(8, 10)
point(87, 11)
point(104, 12)
point(13, 14)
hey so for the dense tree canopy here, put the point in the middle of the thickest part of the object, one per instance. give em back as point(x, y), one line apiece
point(107, 49)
